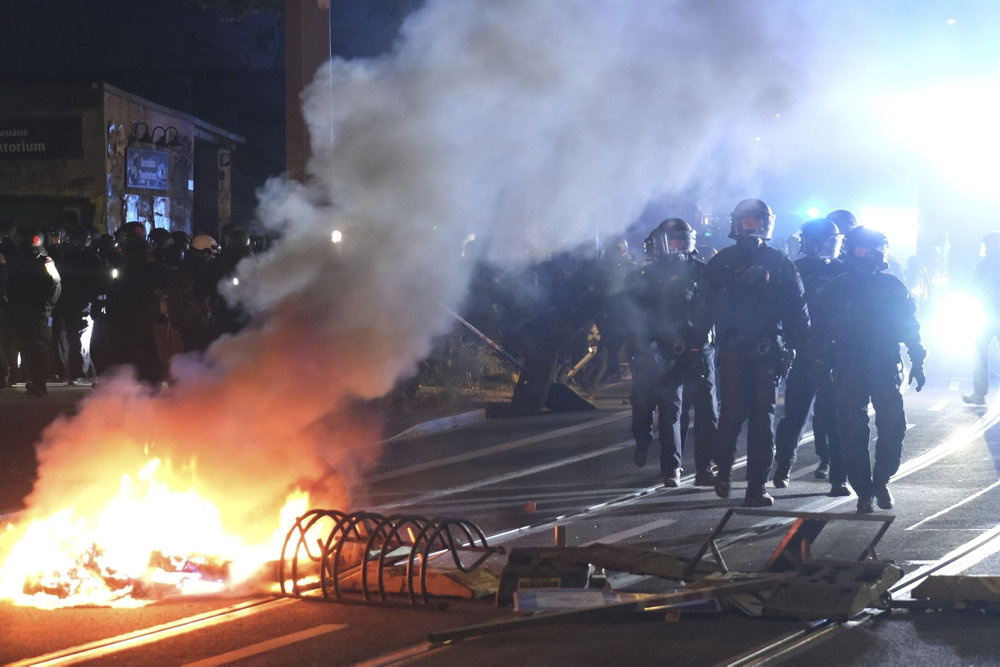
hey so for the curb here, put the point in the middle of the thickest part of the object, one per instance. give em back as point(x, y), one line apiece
point(441, 424)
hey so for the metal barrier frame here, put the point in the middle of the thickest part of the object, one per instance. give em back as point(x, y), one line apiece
point(793, 550)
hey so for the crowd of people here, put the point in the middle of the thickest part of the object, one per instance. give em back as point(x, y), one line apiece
point(721, 335)
point(75, 303)
point(706, 337)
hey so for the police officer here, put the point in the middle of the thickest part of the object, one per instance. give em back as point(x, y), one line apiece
point(844, 219)
point(753, 295)
point(659, 306)
point(38, 290)
point(864, 314)
point(986, 286)
point(617, 263)
point(820, 243)
point(84, 282)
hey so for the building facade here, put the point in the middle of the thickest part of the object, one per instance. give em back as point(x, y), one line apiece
point(90, 154)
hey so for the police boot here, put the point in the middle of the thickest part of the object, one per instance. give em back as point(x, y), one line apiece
point(640, 454)
point(704, 478)
point(722, 485)
point(672, 478)
point(757, 497)
point(839, 491)
point(883, 496)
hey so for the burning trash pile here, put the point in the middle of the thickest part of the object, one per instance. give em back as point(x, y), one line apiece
point(148, 543)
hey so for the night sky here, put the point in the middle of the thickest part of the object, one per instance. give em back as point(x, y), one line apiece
point(228, 71)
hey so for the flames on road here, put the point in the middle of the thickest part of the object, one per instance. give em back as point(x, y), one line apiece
point(150, 541)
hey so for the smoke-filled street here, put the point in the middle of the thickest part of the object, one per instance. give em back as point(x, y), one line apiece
point(600, 203)
point(518, 479)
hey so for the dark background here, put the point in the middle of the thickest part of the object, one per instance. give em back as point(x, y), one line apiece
point(220, 60)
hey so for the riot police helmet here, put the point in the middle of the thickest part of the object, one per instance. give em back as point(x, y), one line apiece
point(655, 245)
point(78, 238)
point(820, 238)
point(34, 238)
point(160, 238)
point(204, 242)
point(615, 247)
point(844, 220)
point(134, 231)
point(751, 218)
point(678, 235)
point(866, 248)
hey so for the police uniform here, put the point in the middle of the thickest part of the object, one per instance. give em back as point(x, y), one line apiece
point(864, 315)
point(39, 288)
point(808, 379)
point(753, 295)
point(664, 354)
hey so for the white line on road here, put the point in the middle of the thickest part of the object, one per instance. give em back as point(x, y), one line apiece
point(937, 407)
point(496, 449)
point(269, 645)
point(626, 534)
point(523, 472)
point(956, 505)
point(155, 634)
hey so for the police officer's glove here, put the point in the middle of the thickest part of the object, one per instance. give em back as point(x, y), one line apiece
point(917, 374)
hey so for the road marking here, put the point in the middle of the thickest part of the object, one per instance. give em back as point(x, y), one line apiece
point(506, 477)
point(104, 647)
point(625, 534)
point(937, 407)
point(269, 645)
point(953, 385)
point(496, 449)
point(962, 438)
point(956, 505)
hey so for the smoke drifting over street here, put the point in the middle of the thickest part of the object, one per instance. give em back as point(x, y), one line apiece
point(535, 126)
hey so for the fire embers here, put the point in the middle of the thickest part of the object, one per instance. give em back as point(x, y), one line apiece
point(90, 577)
point(153, 538)
point(183, 575)
point(85, 577)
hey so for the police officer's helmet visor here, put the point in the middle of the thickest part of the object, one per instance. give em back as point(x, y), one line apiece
point(752, 225)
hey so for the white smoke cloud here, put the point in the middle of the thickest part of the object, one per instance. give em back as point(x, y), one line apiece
point(528, 123)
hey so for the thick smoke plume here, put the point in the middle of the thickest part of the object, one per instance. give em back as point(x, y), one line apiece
point(531, 125)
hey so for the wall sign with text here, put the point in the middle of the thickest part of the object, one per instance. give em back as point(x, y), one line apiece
point(41, 138)
point(146, 168)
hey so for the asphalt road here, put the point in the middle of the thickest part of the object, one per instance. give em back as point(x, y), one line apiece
point(518, 479)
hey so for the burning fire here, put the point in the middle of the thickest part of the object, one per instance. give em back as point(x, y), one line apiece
point(148, 541)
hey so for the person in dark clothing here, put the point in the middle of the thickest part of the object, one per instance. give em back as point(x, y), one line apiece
point(663, 352)
point(753, 295)
point(133, 303)
point(37, 291)
point(236, 247)
point(617, 263)
point(190, 293)
point(558, 299)
point(4, 279)
point(808, 378)
point(986, 286)
point(864, 314)
point(13, 267)
point(84, 280)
